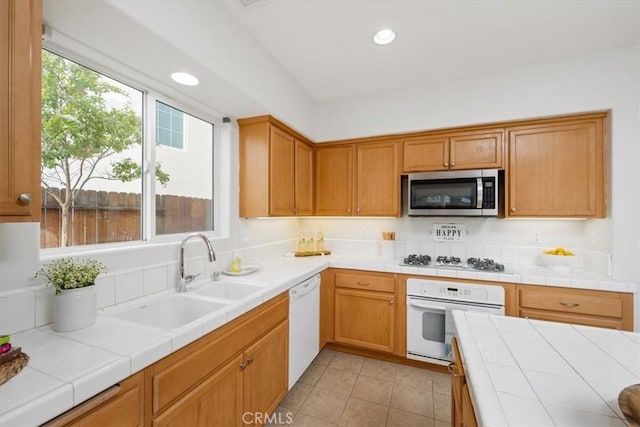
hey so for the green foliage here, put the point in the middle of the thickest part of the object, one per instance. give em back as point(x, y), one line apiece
point(66, 273)
point(79, 129)
point(76, 122)
point(127, 170)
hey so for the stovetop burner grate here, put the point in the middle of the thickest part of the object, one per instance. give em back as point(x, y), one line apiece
point(483, 264)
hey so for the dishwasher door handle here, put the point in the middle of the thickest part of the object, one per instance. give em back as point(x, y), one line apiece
point(304, 287)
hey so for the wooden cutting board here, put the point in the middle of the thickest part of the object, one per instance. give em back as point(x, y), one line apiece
point(629, 402)
point(315, 253)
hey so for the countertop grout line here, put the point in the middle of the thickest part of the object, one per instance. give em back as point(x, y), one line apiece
point(585, 380)
point(522, 370)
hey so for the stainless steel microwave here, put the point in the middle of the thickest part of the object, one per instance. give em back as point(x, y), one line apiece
point(455, 193)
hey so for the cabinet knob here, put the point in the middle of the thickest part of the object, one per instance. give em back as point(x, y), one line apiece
point(348, 209)
point(453, 164)
point(243, 365)
point(250, 360)
point(391, 302)
point(25, 198)
point(358, 210)
point(446, 164)
point(453, 369)
point(513, 209)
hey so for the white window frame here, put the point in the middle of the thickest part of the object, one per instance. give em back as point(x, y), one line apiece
point(77, 51)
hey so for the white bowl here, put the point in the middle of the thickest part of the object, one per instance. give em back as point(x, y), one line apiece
point(557, 262)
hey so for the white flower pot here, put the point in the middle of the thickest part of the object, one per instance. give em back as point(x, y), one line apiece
point(74, 309)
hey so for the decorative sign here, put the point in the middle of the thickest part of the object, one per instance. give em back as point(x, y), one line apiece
point(449, 232)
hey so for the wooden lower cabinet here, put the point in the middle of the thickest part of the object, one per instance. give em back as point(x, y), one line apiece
point(604, 309)
point(240, 393)
point(365, 319)
point(231, 377)
point(218, 401)
point(119, 406)
point(462, 413)
point(266, 374)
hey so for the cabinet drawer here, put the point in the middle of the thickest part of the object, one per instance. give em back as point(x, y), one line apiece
point(572, 301)
point(575, 319)
point(119, 406)
point(372, 282)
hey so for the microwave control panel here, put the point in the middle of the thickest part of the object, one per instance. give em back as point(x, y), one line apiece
point(488, 193)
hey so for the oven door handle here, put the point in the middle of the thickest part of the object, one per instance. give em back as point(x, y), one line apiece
point(421, 304)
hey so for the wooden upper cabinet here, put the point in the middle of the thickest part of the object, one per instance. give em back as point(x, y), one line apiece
point(20, 70)
point(303, 179)
point(424, 154)
point(556, 169)
point(281, 173)
point(466, 150)
point(377, 179)
point(334, 179)
point(476, 150)
point(276, 169)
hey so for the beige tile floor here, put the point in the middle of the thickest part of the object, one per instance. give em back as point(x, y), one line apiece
point(348, 390)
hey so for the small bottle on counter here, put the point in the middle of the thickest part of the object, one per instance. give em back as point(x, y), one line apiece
point(319, 241)
point(311, 246)
point(236, 264)
point(302, 242)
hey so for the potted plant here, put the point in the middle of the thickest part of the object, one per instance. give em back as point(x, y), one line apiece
point(75, 301)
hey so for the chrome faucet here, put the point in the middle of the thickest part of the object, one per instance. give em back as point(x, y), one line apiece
point(184, 279)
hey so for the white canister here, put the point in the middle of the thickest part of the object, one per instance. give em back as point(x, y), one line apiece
point(74, 309)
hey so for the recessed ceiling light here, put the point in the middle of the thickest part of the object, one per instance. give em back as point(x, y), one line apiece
point(185, 79)
point(384, 36)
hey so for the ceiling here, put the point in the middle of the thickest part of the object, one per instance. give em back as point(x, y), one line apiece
point(326, 45)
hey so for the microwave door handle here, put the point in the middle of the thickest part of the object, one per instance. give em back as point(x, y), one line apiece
point(420, 304)
point(479, 193)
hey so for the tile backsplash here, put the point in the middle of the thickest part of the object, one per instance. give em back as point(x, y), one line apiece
point(31, 307)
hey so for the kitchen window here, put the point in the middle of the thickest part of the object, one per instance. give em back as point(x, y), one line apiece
point(169, 126)
point(113, 173)
point(184, 201)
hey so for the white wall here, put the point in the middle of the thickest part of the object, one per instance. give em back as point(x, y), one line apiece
point(601, 81)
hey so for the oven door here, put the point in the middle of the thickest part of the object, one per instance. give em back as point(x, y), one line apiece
point(430, 327)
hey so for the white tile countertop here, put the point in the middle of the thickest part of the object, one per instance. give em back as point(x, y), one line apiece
point(67, 368)
point(525, 372)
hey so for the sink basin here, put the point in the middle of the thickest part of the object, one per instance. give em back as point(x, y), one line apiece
point(228, 290)
point(170, 312)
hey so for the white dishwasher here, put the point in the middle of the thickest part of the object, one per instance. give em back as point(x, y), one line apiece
point(304, 326)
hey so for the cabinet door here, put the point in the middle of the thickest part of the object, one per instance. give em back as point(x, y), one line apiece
point(556, 170)
point(303, 179)
point(377, 179)
point(365, 319)
point(20, 69)
point(425, 154)
point(215, 402)
point(476, 151)
point(281, 173)
point(266, 374)
point(334, 180)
